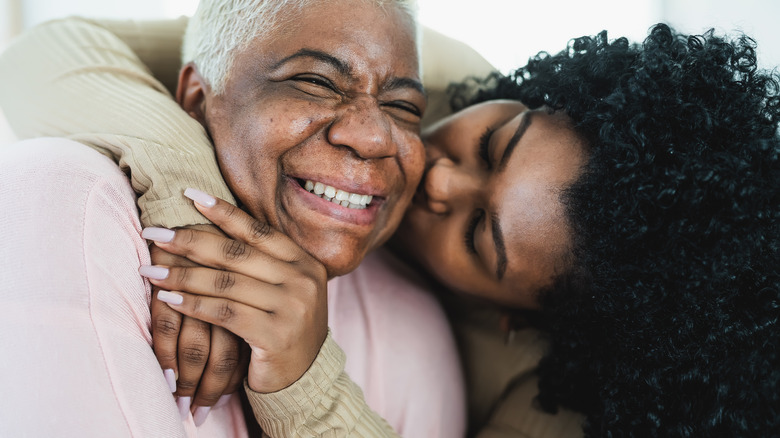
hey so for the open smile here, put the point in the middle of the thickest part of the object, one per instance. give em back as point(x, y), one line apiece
point(351, 207)
point(338, 196)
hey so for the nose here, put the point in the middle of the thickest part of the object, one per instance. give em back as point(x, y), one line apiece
point(363, 127)
point(449, 186)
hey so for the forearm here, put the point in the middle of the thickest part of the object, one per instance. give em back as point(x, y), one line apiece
point(74, 79)
point(323, 401)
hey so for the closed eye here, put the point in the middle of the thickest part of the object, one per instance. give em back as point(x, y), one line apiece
point(405, 106)
point(311, 81)
point(483, 149)
point(471, 229)
point(403, 111)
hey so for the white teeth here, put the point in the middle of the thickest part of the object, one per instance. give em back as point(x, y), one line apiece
point(330, 192)
point(337, 196)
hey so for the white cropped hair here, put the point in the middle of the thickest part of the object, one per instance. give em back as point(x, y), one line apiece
point(220, 29)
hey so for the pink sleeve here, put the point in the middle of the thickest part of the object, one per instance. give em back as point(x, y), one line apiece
point(75, 332)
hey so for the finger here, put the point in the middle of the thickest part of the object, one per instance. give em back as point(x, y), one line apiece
point(162, 257)
point(223, 253)
point(237, 380)
point(256, 232)
point(223, 361)
point(218, 283)
point(166, 324)
point(244, 321)
point(193, 353)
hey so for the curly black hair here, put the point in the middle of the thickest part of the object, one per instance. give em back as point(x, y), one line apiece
point(666, 322)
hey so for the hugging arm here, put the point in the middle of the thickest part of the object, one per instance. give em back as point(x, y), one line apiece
point(72, 78)
point(273, 295)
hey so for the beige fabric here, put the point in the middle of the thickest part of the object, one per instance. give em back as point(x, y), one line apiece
point(500, 376)
point(322, 402)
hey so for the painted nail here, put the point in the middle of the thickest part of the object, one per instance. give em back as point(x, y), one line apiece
point(170, 298)
point(158, 234)
point(201, 198)
point(184, 406)
point(170, 378)
point(201, 412)
point(154, 272)
point(225, 399)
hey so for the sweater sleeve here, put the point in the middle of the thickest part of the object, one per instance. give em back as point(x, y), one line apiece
point(72, 78)
point(323, 402)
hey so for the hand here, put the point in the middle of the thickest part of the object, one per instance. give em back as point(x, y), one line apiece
point(201, 363)
point(258, 284)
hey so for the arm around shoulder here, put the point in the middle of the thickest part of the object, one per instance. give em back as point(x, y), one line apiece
point(75, 79)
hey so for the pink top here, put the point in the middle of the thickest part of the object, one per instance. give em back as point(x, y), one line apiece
point(399, 347)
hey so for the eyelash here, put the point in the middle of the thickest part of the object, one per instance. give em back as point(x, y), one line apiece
point(321, 82)
point(405, 107)
point(471, 230)
point(484, 145)
point(315, 80)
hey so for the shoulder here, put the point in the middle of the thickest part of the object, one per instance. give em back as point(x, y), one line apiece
point(53, 157)
point(66, 177)
point(405, 304)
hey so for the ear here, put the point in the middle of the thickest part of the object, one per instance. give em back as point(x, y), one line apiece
point(191, 93)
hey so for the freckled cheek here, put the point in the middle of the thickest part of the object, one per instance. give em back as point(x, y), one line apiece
point(412, 154)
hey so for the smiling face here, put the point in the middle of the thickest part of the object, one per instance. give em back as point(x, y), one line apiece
point(317, 130)
point(488, 220)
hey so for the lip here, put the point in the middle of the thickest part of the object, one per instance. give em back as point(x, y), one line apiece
point(360, 217)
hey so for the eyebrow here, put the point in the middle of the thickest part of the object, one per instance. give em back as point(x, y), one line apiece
point(495, 223)
point(346, 70)
point(342, 67)
point(510, 147)
point(396, 83)
point(498, 242)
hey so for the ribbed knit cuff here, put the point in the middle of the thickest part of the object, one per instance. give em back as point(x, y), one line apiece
point(289, 408)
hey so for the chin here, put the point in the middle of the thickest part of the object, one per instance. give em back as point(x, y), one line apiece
point(337, 261)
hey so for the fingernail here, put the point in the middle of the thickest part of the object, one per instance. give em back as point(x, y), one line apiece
point(154, 272)
point(184, 406)
point(158, 234)
point(201, 198)
point(170, 377)
point(170, 298)
point(225, 399)
point(200, 414)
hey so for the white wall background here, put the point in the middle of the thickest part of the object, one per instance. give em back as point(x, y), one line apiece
point(506, 32)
